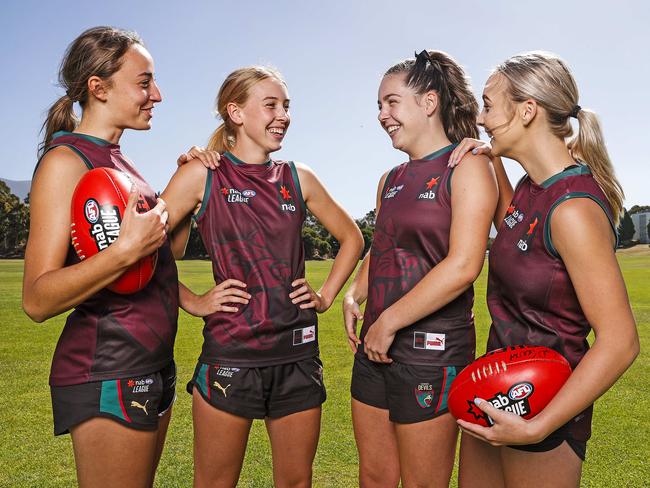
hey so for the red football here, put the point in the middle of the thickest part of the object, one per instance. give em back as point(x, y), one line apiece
point(518, 379)
point(98, 205)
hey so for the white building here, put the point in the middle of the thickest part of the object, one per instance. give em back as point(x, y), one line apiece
point(641, 221)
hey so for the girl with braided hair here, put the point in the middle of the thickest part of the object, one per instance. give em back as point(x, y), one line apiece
point(428, 248)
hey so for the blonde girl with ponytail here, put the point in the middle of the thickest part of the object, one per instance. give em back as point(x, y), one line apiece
point(553, 273)
point(260, 353)
point(428, 248)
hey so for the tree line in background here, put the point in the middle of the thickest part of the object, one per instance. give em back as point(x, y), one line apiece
point(319, 243)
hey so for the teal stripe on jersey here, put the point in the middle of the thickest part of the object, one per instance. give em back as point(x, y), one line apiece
point(202, 379)
point(109, 401)
point(296, 182)
point(206, 195)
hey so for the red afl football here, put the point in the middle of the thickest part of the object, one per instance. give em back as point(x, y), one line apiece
point(517, 379)
point(98, 205)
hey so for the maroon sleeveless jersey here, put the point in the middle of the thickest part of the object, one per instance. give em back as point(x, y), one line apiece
point(530, 294)
point(250, 222)
point(111, 335)
point(411, 237)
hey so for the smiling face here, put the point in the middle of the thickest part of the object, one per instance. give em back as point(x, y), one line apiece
point(400, 113)
point(499, 116)
point(263, 120)
point(133, 91)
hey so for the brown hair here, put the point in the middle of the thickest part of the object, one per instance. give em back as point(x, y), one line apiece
point(96, 52)
point(236, 89)
point(546, 78)
point(438, 71)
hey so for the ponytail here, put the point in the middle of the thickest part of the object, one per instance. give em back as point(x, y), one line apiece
point(588, 146)
point(61, 116)
point(219, 140)
point(436, 70)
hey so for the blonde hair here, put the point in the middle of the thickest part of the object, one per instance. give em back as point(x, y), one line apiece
point(546, 78)
point(438, 71)
point(96, 52)
point(236, 89)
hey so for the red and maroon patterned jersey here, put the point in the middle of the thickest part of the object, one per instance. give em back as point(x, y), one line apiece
point(411, 237)
point(250, 222)
point(530, 294)
point(111, 335)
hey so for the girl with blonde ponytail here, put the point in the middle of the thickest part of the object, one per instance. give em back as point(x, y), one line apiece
point(553, 274)
point(260, 356)
point(428, 248)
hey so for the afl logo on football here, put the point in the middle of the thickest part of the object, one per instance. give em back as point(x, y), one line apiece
point(91, 210)
point(520, 391)
point(248, 193)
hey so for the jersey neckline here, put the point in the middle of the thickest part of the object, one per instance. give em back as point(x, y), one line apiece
point(438, 153)
point(573, 170)
point(93, 139)
point(235, 160)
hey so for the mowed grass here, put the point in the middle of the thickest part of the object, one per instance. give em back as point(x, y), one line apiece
point(31, 456)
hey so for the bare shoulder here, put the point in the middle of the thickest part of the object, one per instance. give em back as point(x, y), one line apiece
point(581, 223)
point(59, 169)
point(474, 164)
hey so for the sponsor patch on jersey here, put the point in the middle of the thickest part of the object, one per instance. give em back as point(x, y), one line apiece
point(429, 340)
point(424, 394)
point(304, 335)
point(513, 216)
point(232, 195)
point(392, 191)
point(526, 239)
point(286, 200)
point(429, 190)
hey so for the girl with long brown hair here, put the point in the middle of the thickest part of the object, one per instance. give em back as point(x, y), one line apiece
point(428, 248)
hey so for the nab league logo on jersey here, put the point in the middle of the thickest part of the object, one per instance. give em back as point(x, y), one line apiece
point(392, 191)
point(513, 216)
point(233, 195)
point(286, 200)
point(525, 241)
point(430, 187)
point(424, 395)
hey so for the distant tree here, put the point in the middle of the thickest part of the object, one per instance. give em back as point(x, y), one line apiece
point(14, 223)
point(625, 228)
point(367, 227)
point(639, 209)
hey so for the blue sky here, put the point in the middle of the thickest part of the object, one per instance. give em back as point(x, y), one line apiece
point(332, 55)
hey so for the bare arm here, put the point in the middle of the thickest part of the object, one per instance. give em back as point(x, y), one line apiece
point(357, 292)
point(473, 200)
point(49, 288)
point(584, 239)
point(184, 195)
point(345, 231)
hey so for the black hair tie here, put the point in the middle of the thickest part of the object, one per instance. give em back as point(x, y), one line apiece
point(423, 56)
point(574, 112)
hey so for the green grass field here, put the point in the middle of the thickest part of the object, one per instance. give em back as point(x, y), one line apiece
point(31, 456)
